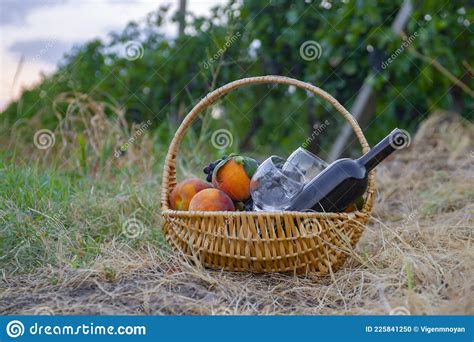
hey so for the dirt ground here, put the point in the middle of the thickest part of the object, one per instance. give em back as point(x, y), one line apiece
point(415, 257)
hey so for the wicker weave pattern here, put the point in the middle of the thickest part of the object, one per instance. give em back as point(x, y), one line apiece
point(265, 241)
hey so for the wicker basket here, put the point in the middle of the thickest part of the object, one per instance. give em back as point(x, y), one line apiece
point(263, 241)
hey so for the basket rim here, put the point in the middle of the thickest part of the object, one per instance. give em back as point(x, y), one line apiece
point(202, 214)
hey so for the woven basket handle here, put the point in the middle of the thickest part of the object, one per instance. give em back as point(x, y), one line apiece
point(169, 172)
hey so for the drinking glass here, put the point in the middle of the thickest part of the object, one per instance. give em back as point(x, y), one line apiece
point(272, 187)
point(309, 164)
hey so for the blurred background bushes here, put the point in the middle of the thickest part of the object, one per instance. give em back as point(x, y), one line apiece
point(171, 75)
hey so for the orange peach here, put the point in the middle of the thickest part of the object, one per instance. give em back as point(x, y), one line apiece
point(211, 200)
point(184, 191)
point(233, 176)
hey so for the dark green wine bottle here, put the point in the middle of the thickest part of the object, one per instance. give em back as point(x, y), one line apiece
point(343, 181)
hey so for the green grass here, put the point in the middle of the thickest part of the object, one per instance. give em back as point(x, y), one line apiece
point(48, 217)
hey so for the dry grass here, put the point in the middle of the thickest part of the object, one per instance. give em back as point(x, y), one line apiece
point(416, 255)
point(90, 136)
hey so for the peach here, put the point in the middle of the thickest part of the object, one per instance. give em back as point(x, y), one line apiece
point(184, 191)
point(233, 175)
point(211, 200)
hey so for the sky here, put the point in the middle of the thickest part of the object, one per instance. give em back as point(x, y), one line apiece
point(41, 31)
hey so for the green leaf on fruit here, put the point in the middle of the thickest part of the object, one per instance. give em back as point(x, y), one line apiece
point(250, 166)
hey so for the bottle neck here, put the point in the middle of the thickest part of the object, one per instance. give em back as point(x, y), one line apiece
point(394, 141)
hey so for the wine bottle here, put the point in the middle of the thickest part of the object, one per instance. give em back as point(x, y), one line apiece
point(343, 181)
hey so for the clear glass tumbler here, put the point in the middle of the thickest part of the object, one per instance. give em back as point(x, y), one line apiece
point(274, 186)
point(308, 163)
